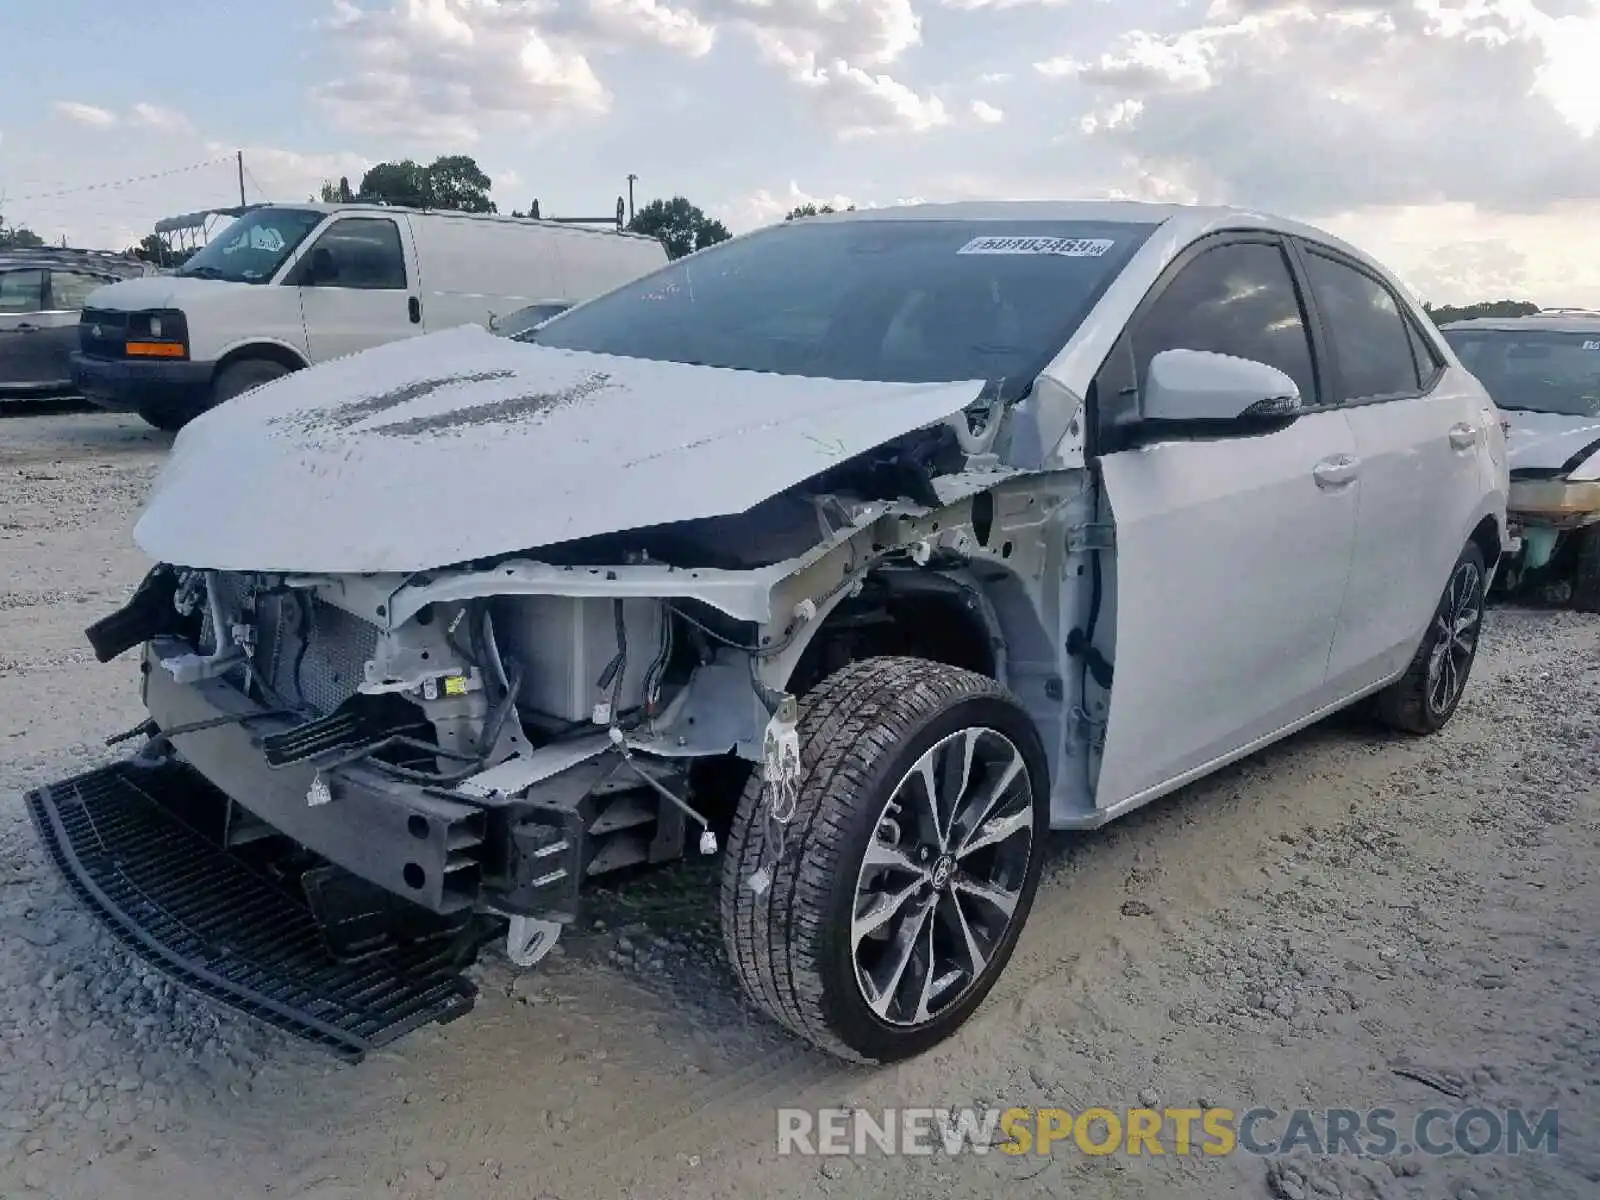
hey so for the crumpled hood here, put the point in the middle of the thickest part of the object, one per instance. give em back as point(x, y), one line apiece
point(1548, 441)
point(461, 445)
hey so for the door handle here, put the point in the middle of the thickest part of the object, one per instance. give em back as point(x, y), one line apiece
point(1463, 436)
point(414, 308)
point(1337, 471)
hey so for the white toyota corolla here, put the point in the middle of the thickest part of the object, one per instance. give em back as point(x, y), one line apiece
point(933, 529)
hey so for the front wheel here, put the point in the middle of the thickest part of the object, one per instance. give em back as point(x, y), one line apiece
point(1424, 699)
point(1586, 571)
point(909, 865)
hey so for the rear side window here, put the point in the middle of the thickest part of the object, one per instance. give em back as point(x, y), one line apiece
point(1237, 299)
point(365, 253)
point(1429, 363)
point(21, 291)
point(1370, 339)
point(70, 290)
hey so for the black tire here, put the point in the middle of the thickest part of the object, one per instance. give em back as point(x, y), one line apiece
point(1420, 702)
point(862, 730)
point(243, 375)
point(168, 420)
point(1586, 571)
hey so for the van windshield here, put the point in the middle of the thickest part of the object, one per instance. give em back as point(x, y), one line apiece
point(893, 301)
point(1535, 370)
point(253, 248)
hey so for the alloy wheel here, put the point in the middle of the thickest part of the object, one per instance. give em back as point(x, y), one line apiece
point(1455, 637)
point(941, 880)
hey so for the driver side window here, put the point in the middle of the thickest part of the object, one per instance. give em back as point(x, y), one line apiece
point(356, 252)
point(1238, 299)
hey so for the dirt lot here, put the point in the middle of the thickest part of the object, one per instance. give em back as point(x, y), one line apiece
point(1287, 933)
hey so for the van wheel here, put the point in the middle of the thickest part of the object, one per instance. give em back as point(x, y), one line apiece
point(1586, 571)
point(1425, 698)
point(238, 378)
point(166, 419)
point(909, 865)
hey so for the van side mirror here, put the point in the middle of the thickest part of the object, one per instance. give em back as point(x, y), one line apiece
point(1207, 394)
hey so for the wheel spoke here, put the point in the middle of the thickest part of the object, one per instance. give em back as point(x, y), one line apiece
point(901, 951)
point(997, 830)
point(883, 909)
point(986, 809)
point(977, 957)
point(881, 854)
point(931, 986)
point(1000, 899)
point(927, 777)
point(954, 777)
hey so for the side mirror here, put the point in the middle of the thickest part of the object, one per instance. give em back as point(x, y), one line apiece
point(1215, 393)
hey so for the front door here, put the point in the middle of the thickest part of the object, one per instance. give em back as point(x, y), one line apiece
point(1420, 436)
point(27, 358)
point(1231, 552)
point(358, 287)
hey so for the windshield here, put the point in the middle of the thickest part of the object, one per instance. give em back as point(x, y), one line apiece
point(1536, 370)
point(897, 301)
point(253, 248)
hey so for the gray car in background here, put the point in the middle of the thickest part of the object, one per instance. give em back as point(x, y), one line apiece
point(41, 293)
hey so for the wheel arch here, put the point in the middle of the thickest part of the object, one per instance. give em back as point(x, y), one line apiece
point(275, 352)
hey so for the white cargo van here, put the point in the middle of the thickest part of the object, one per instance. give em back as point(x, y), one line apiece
point(290, 286)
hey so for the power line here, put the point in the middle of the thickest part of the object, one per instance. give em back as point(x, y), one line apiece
point(119, 183)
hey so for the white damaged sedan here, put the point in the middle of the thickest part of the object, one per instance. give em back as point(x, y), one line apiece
point(863, 551)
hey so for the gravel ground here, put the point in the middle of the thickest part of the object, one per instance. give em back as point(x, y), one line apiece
point(1289, 933)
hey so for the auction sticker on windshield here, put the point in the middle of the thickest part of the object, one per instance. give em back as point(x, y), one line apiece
point(1064, 247)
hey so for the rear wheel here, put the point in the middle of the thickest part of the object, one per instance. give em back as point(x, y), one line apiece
point(1586, 571)
point(910, 863)
point(1425, 698)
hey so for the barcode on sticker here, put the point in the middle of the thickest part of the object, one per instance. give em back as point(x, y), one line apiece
point(1062, 247)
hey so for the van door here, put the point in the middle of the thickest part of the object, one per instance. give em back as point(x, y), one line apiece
point(358, 286)
point(1231, 553)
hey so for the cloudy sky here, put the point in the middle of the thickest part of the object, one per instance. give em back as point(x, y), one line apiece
point(1455, 139)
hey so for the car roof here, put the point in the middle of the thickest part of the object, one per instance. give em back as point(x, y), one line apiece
point(1190, 220)
point(1549, 320)
point(96, 262)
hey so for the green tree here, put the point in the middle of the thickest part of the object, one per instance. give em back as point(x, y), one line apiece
point(1484, 308)
point(18, 237)
point(456, 181)
point(679, 226)
point(153, 248)
point(814, 210)
point(453, 181)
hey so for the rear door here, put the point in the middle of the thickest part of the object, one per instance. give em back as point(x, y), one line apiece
point(1420, 434)
point(1231, 552)
point(26, 360)
point(357, 286)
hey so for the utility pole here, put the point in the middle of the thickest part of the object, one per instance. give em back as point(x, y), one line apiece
point(239, 154)
point(631, 179)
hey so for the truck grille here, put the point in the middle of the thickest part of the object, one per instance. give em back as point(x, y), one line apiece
point(103, 333)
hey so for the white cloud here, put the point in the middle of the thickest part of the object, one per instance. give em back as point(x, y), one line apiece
point(1344, 104)
point(975, 5)
point(801, 33)
point(152, 116)
point(862, 105)
point(765, 208)
point(987, 113)
point(86, 114)
point(440, 69)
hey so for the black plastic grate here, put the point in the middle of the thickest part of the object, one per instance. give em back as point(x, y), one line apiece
point(206, 918)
